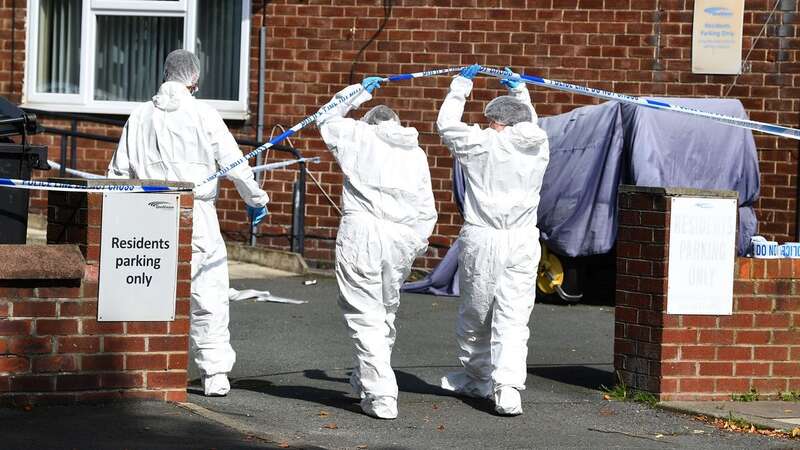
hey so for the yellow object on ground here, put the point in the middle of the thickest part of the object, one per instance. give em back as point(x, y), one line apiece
point(551, 272)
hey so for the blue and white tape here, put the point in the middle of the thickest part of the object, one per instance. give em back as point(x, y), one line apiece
point(256, 169)
point(310, 119)
point(78, 173)
point(764, 249)
point(790, 250)
point(777, 130)
point(282, 164)
point(55, 186)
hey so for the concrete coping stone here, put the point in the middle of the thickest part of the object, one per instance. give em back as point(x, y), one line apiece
point(118, 181)
point(678, 191)
point(267, 257)
point(41, 262)
point(772, 414)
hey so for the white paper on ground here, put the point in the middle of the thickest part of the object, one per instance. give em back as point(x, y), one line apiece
point(236, 295)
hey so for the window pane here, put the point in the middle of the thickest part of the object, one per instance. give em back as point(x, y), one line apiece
point(219, 32)
point(129, 59)
point(58, 58)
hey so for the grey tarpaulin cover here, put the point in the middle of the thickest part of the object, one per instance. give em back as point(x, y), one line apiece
point(678, 150)
point(577, 212)
point(594, 148)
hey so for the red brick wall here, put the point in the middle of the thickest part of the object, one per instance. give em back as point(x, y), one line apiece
point(12, 36)
point(52, 348)
point(700, 357)
point(633, 47)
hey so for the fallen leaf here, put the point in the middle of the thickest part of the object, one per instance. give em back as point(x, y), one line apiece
point(440, 428)
point(283, 445)
point(606, 412)
point(27, 407)
point(330, 426)
point(435, 406)
point(796, 432)
point(323, 414)
point(606, 397)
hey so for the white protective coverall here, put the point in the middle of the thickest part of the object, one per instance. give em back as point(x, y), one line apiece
point(177, 137)
point(500, 242)
point(389, 213)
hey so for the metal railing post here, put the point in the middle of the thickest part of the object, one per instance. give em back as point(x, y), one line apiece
point(297, 243)
point(73, 156)
point(63, 157)
point(301, 232)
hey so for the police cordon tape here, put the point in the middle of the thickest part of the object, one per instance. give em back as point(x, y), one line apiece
point(78, 173)
point(325, 109)
point(256, 169)
point(55, 186)
point(763, 127)
point(776, 130)
point(282, 164)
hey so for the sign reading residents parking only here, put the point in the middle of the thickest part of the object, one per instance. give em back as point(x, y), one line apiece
point(702, 243)
point(717, 36)
point(138, 257)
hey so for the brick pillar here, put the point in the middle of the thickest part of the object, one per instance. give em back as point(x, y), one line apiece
point(641, 290)
point(53, 349)
point(699, 357)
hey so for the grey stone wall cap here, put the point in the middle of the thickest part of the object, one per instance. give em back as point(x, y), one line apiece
point(117, 181)
point(41, 262)
point(679, 191)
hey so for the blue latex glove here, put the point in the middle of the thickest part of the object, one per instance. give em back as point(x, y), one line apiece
point(256, 215)
point(511, 80)
point(469, 72)
point(371, 83)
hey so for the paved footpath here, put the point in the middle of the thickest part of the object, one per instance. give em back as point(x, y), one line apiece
point(290, 382)
point(290, 390)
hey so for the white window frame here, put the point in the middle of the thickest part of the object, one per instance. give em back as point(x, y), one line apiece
point(83, 101)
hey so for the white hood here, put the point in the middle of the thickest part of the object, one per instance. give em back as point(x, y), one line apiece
point(527, 137)
point(170, 95)
point(396, 134)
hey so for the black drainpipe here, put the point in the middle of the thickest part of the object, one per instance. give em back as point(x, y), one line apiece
point(13, 45)
point(785, 32)
point(797, 199)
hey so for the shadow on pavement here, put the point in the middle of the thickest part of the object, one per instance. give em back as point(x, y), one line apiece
point(584, 376)
point(345, 400)
point(327, 397)
point(139, 425)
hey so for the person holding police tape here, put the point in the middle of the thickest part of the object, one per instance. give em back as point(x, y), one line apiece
point(177, 137)
point(504, 165)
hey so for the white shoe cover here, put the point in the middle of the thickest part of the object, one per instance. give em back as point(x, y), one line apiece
point(216, 385)
point(381, 407)
point(460, 383)
point(507, 401)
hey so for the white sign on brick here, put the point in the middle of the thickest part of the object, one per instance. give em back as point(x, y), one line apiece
point(717, 36)
point(138, 257)
point(702, 247)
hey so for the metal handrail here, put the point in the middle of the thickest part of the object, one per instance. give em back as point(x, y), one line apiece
point(69, 137)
